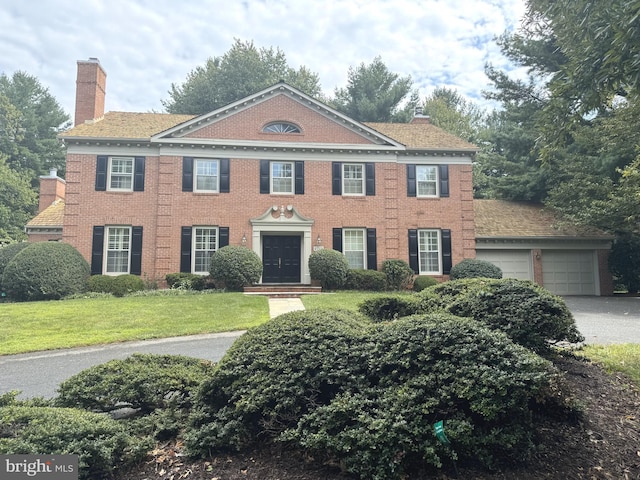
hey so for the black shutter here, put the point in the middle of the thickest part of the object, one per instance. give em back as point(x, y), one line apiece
point(299, 168)
point(97, 249)
point(370, 185)
point(336, 178)
point(412, 189)
point(223, 237)
point(413, 251)
point(444, 180)
point(265, 186)
point(101, 173)
point(136, 251)
point(185, 249)
point(187, 174)
point(372, 254)
point(138, 174)
point(337, 239)
point(224, 175)
point(446, 251)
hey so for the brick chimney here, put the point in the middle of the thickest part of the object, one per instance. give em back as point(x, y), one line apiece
point(419, 117)
point(90, 91)
point(52, 188)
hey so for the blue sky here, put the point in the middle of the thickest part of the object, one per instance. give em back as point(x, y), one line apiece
point(145, 45)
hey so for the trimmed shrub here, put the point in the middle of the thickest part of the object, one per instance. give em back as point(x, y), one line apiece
point(423, 281)
point(526, 312)
point(368, 280)
point(389, 308)
point(473, 268)
point(46, 271)
point(236, 267)
point(366, 396)
point(6, 255)
point(103, 446)
point(187, 281)
point(100, 283)
point(399, 274)
point(329, 267)
point(122, 285)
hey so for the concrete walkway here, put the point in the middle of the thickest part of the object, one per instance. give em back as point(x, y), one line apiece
point(278, 306)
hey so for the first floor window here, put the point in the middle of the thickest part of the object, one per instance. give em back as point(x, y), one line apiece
point(121, 173)
point(427, 180)
point(354, 248)
point(281, 177)
point(429, 251)
point(205, 243)
point(118, 250)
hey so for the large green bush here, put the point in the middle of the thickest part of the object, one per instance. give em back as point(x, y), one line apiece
point(329, 267)
point(368, 280)
point(236, 267)
point(473, 268)
point(366, 396)
point(103, 445)
point(6, 255)
point(526, 312)
point(46, 271)
point(399, 274)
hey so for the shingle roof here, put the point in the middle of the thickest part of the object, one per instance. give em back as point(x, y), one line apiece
point(504, 219)
point(50, 217)
point(422, 136)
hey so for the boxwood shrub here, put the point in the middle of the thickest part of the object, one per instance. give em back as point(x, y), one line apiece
point(329, 267)
point(399, 274)
point(46, 271)
point(389, 307)
point(100, 283)
point(103, 445)
point(366, 396)
point(473, 268)
point(187, 281)
point(235, 267)
point(368, 280)
point(6, 255)
point(423, 281)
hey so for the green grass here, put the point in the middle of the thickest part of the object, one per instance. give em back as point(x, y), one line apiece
point(623, 358)
point(33, 326)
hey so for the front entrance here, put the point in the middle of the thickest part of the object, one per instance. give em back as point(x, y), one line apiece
point(281, 259)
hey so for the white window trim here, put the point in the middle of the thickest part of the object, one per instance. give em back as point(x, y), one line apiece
point(105, 262)
point(437, 182)
point(193, 246)
point(110, 172)
point(439, 237)
point(293, 177)
point(195, 175)
point(363, 180)
point(363, 231)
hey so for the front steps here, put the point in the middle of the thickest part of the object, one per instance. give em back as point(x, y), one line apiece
point(282, 291)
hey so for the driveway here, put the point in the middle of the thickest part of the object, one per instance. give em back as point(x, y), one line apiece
point(606, 320)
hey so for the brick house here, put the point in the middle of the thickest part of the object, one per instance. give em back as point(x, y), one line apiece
point(277, 171)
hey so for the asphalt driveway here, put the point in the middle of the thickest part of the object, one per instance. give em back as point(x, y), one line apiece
point(606, 320)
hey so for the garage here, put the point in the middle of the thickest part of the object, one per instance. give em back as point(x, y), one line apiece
point(569, 272)
point(513, 263)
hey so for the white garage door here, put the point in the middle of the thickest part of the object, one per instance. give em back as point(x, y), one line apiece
point(514, 263)
point(569, 273)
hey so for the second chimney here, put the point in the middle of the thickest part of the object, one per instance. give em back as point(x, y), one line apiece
point(91, 85)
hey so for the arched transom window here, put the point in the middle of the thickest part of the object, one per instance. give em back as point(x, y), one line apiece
point(281, 127)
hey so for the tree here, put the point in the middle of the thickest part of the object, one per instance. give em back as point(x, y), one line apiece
point(240, 72)
point(30, 119)
point(374, 94)
point(453, 113)
point(18, 203)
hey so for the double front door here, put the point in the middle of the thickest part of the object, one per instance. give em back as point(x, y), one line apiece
point(281, 259)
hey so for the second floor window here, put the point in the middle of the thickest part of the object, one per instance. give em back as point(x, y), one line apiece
point(121, 173)
point(427, 180)
point(281, 177)
point(206, 173)
point(352, 179)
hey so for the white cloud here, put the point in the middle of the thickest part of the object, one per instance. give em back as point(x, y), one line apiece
point(145, 45)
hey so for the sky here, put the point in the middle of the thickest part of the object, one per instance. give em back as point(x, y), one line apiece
point(146, 45)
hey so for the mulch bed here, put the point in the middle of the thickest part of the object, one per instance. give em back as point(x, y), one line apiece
point(605, 444)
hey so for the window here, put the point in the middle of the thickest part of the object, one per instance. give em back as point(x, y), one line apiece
point(206, 172)
point(352, 179)
point(282, 177)
point(429, 251)
point(354, 247)
point(281, 127)
point(117, 250)
point(121, 173)
point(427, 180)
point(205, 243)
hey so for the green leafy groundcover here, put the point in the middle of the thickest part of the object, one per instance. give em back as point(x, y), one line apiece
point(367, 395)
